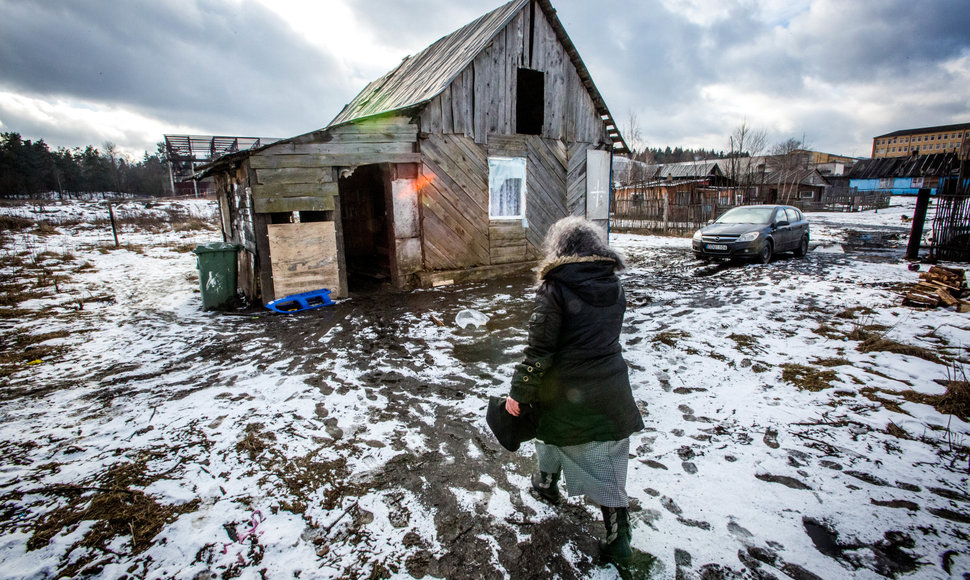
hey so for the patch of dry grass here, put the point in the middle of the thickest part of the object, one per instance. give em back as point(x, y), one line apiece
point(184, 248)
point(808, 378)
point(254, 440)
point(44, 229)
point(897, 431)
point(746, 343)
point(19, 348)
point(831, 362)
point(669, 337)
point(852, 313)
point(828, 331)
point(116, 509)
point(954, 401)
point(11, 313)
point(194, 225)
point(879, 343)
point(862, 332)
point(872, 393)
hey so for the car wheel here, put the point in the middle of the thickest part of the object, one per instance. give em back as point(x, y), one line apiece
point(764, 256)
point(802, 247)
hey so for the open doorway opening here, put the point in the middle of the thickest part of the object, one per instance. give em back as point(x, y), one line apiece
point(364, 216)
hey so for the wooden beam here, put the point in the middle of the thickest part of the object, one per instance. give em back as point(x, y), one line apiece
point(285, 204)
point(283, 175)
point(295, 190)
point(341, 160)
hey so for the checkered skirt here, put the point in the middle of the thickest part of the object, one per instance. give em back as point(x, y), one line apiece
point(596, 469)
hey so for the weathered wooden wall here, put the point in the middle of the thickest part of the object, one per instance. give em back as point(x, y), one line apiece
point(454, 200)
point(474, 118)
point(457, 232)
point(301, 175)
point(481, 101)
point(235, 208)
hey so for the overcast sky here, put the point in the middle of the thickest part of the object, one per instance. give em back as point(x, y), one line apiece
point(838, 72)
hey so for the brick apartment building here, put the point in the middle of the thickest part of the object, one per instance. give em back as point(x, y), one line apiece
point(922, 141)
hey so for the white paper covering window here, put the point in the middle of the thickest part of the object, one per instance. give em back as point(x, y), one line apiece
point(506, 187)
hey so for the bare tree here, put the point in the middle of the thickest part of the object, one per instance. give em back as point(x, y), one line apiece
point(787, 160)
point(634, 139)
point(746, 143)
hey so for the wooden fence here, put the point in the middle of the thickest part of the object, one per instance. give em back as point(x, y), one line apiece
point(683, 211)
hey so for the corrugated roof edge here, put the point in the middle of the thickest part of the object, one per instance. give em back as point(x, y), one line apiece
point(383, 79)
point(550, 12)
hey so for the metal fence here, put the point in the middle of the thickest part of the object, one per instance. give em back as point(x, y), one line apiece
point(951, 224)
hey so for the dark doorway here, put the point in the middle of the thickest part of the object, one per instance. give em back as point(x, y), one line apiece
point(363, 215)
point(530, 102)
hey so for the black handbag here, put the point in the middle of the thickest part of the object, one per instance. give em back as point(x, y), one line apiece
point(511, 431)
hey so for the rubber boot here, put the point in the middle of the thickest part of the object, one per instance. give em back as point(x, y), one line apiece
point(546, 485)
point(616, 547)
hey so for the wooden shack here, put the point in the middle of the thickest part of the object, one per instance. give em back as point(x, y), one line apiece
point(450, 167)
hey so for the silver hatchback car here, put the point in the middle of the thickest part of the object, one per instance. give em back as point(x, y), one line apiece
point(754, 232)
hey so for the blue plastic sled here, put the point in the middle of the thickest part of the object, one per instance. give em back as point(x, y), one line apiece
point(301, 302)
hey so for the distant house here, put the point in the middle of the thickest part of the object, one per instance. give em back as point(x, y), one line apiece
point(795, 186)
point(902, 175)
point(452, 166)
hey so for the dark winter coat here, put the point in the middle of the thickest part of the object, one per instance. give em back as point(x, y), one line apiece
point(585, 394)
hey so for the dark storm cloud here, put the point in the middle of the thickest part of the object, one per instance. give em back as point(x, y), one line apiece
point(228, 67)
point(654, 60)
point(891, 38)
point(233, 66)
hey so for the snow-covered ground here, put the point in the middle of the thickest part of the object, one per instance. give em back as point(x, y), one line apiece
point(144, 438)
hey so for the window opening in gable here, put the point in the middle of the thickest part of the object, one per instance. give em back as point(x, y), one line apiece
point(530, 102)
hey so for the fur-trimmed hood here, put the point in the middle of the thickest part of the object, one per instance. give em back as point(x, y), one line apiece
point(546, 267)
point(576, 240)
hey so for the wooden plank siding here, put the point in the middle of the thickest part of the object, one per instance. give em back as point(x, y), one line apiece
point(546, 183)
point(454, 203)
point(301, 174)
point(481, 101)
point(576, 179)
point(507, 242)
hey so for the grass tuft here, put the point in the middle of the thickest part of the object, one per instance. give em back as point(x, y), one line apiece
point(807, 378)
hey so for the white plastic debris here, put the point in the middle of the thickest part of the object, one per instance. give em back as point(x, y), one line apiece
point(467, 318)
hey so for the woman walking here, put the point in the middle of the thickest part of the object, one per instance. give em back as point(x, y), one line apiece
point(574, 375)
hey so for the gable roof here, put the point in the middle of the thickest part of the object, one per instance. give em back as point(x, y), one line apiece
point(935, 165)
point(422, 77)
point(687, 169)
point(796, 176)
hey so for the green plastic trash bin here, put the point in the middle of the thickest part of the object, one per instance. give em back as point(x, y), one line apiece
point(217, 273)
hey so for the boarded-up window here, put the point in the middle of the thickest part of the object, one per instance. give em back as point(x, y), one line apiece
point(530, 102)
point(506, 187)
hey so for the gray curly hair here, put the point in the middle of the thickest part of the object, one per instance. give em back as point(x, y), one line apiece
point(576, 236)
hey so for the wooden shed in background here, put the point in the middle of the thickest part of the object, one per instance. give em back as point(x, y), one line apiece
point(450, 167)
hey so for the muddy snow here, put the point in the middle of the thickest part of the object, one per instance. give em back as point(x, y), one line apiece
point(796, 417)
